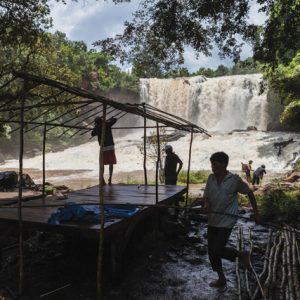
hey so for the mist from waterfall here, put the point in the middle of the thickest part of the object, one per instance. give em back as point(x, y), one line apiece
point(216, 104)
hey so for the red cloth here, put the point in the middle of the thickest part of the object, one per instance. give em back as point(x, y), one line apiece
point(109, 157)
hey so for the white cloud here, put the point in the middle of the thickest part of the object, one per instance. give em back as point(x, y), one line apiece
point(90, 20)
point(256, 17)
point(93, 20)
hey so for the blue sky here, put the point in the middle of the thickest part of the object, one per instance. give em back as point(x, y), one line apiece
point(91, 20)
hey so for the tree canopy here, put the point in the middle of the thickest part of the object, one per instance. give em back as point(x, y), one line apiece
point(161, 29)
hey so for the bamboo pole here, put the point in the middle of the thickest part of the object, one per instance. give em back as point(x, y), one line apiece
point(275, 265)
point(157, 163)
point(289, 266)
point(270, 265)
point(252, 268)
point(295, 266)
point(283, 287)
point(44, 160)
point(145, 147)
point(246, 269)
point(91, 122)
point(238, 246)
point(120, 112)
point(265, 267)
point(101, 200)
point(21, 254)
point(188, 171)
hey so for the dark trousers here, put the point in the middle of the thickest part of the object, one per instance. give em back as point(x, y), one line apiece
point(255, 179)
point(217, 238)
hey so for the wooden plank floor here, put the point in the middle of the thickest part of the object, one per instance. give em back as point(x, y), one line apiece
point(114, 194)
point(12, 197)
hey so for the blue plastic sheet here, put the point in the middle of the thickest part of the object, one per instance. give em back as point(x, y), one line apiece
point(90, 213)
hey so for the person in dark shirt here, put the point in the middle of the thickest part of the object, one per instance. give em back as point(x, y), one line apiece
point(259, 174)
point(171, 162)
point(109, 157)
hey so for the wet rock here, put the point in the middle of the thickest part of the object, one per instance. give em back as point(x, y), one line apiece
point(249, 128)
point(193, 239)
point(201, 249)
point(171, 257)
point(185, 222)
point(198, 217)
point(157, 258)
point(171, 228)
point(194, 260)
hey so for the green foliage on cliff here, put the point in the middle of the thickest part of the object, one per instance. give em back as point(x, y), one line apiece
point(279, 205)
point(286, 81)
point(278, 47)
point(247, 66)
point(196, 177)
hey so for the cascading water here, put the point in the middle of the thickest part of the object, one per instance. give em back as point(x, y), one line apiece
point(217, 104)
point(224, 106)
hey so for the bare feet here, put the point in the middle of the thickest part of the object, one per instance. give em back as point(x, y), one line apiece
point(245, 259)
point(220, 283)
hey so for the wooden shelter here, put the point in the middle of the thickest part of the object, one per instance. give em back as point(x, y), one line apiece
point(36, 213)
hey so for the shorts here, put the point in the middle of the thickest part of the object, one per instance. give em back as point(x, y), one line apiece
point(109, 157)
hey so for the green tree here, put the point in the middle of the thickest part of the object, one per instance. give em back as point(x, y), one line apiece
point(208, 72)
point(222, 71)
point(163, 28)
point(277, 46)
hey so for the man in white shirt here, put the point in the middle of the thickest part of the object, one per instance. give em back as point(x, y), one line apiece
point(221, 201)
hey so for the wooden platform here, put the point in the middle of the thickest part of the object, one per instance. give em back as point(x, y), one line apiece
point(12, 197)
point(37, 217)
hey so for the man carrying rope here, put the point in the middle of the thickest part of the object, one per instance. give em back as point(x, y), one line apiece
point(109, 157)
point(221, 202)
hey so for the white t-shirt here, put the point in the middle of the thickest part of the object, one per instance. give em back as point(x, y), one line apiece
point(223, 199)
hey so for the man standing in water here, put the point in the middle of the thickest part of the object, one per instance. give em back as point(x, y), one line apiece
point(109, 157)
point(221, 202)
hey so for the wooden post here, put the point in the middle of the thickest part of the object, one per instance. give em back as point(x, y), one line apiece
point(44, 160)
point(188, 171)
point(21, 254)
point(101, 200)
point(145, 146)
point(157, 163)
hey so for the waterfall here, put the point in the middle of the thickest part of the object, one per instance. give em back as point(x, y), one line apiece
point(216, 104)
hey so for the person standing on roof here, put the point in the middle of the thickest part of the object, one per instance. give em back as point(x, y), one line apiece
point(109, 157)
point(259, 174)
point(221, 203)
point(171, 162)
